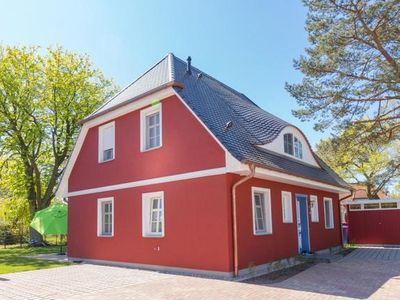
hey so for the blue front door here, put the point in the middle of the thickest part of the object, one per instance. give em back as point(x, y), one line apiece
point(302, 224)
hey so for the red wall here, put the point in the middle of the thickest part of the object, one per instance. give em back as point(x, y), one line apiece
point(374, 227)
point(255, 250)
point(196, 214)
point(186, 144)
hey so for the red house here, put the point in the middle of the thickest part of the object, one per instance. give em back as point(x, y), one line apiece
point(180, 172)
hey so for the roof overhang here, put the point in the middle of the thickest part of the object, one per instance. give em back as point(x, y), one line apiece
point(241, 168)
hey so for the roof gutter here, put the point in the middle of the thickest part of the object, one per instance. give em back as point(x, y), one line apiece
point(173, 83)
point(234, 218)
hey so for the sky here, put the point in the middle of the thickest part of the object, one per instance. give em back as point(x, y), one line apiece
point(249, 45)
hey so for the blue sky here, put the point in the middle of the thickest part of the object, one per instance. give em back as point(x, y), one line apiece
point(249, 45)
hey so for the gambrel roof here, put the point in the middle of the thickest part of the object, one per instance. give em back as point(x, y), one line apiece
point(237, 122)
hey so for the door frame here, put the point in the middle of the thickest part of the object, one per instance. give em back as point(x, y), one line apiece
point(308, 219)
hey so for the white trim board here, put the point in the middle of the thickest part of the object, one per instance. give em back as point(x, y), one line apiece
point(165, 179)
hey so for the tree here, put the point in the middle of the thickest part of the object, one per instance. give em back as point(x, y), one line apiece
point(352, 67)
point(375, 165)
point(43, 95)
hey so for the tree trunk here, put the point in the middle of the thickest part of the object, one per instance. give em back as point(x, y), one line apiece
point(33, 234)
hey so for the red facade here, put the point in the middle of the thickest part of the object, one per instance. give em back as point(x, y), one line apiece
point(198, 212)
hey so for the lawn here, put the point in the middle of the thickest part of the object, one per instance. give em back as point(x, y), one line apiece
point(12, 260)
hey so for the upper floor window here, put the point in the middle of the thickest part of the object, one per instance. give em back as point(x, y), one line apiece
point(262, 217)
point(151, 128)
point(107, 142)
point(292, 145)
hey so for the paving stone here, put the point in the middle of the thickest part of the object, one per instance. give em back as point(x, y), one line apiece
point(372, 273)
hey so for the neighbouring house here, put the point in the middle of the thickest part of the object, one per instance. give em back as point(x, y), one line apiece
point(181, 172)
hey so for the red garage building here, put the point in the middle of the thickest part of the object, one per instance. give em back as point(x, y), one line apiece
point(180, 172)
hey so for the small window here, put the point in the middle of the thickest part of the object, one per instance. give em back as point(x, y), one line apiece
point(371, 206)
point(314, 208)
point(288, 143)
point(262, 220)
point(105, 217)
point(106, 142)
point(389, 205)
point(287, 213)
point(298, 148)
point(328, 209)
point(153, 214)
point(355, 206)
point(151, 132)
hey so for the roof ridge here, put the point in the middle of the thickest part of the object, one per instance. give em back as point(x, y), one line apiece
point(134, 81)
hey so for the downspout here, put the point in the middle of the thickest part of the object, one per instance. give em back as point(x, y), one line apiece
point(234, 217)
point(340, 213)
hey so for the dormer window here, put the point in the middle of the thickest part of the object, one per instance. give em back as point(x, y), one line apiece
point(292, 145)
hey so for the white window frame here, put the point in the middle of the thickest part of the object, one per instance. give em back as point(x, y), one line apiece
point(143, 126)
point(314, 209)
point(287, 210)
point(146, 214)
point(326, 199)
point(100, 145)
point(267, 210)
point(100, 202)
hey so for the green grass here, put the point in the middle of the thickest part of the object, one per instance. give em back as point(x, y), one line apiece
point(12, 260)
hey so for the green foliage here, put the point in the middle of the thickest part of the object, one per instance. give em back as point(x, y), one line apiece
point(43, 95)
point(375, 164)
point(352, 67)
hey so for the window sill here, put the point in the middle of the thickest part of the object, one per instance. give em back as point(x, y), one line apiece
point(105, 236)
point(106, 161)
point(148, 235)
point(150, 149)
point(262, 233)
point(329, 228)
point(287, 222)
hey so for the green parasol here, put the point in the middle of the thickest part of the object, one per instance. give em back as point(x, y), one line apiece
point(51, 220)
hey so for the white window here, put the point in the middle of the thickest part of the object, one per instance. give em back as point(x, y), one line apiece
point(153, 214)
point(262, 219)
point(288, 143)
point(151, 127)
point(292, 145)
point(328, 212)
point(314, 208)
point(107, 142)
point(105, 217)
point(287, 213)
point(298, 148)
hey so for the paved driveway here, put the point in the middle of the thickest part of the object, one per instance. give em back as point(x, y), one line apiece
point(365, 273)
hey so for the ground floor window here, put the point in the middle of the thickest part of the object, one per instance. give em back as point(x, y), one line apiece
point(328, 209)
point(105, 216)
point(153, 214)
point(287, 214)
point(314, 208)
point(262, 217)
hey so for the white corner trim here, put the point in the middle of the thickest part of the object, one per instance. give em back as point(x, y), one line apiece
point(62, 189)
point(165, 179)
